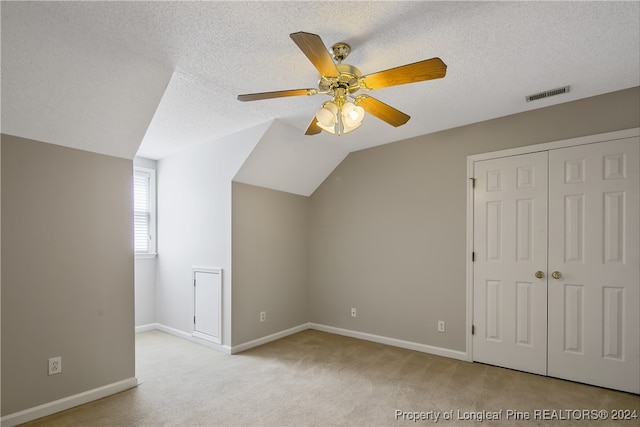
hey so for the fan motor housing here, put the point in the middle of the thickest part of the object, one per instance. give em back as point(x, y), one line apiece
point(349, 79)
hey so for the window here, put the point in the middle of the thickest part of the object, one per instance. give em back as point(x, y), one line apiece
point(144, 212)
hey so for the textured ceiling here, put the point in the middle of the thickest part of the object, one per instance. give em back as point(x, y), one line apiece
point(115, 77)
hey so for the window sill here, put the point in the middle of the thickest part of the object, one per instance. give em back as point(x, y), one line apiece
point(146, 256)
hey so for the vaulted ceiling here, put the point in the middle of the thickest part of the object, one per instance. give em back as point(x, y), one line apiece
point(153, 78)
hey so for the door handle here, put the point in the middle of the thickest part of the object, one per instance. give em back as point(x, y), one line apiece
point(539, 274)
point(556, 275)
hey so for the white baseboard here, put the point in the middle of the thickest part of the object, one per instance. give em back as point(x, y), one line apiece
point(438, 351)
point(145, 328)
point(67, 402)
point(254, 343)
point(409, 345)
point(184, 335)
point(172, 331)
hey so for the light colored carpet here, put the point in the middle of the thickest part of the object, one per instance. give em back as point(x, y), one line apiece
point(318, 379)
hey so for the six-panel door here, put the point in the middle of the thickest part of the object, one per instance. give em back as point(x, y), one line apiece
point(510, 244)
point(594, 322)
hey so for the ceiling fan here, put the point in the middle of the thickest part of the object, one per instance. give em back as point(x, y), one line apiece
point(342, 81)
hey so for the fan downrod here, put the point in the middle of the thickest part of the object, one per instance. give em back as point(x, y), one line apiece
point(349, 77)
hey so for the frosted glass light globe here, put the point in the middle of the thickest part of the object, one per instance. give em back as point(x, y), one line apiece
point(352, 114)
point(326, 114)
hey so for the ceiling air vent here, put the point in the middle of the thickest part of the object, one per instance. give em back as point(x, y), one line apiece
point(547, 93)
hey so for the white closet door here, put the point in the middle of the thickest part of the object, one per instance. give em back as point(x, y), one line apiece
point(510, 245)
point(594, 304)
point(207, 297)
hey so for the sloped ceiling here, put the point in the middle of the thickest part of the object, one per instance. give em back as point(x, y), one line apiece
point(153, 78)
point(282, 162)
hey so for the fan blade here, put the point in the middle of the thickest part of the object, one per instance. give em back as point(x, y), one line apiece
point(313, 47)
point(428, 69)
point(276, 94)
point(382, 111)
point(313, 128)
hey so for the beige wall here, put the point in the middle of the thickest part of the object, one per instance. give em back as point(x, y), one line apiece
point(67, 271)
point(269, 259)
point(388, 227)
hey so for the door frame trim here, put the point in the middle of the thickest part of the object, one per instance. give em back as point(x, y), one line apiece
point(527, 149)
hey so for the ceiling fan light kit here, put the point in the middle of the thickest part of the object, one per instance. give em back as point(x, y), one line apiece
point(339, 116)
point(345, 111)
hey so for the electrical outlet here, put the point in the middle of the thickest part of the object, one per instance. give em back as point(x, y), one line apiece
point(441, 326)
point(263, 316)
point(354, 312)
point(55, 365)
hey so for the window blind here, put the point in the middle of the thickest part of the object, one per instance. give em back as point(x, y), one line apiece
point(141, 211)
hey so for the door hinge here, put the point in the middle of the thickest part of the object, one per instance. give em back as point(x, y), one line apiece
point(473, 329)
point(473, 182)
point(194, 319)
point(473, 256)
point(194, 282)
